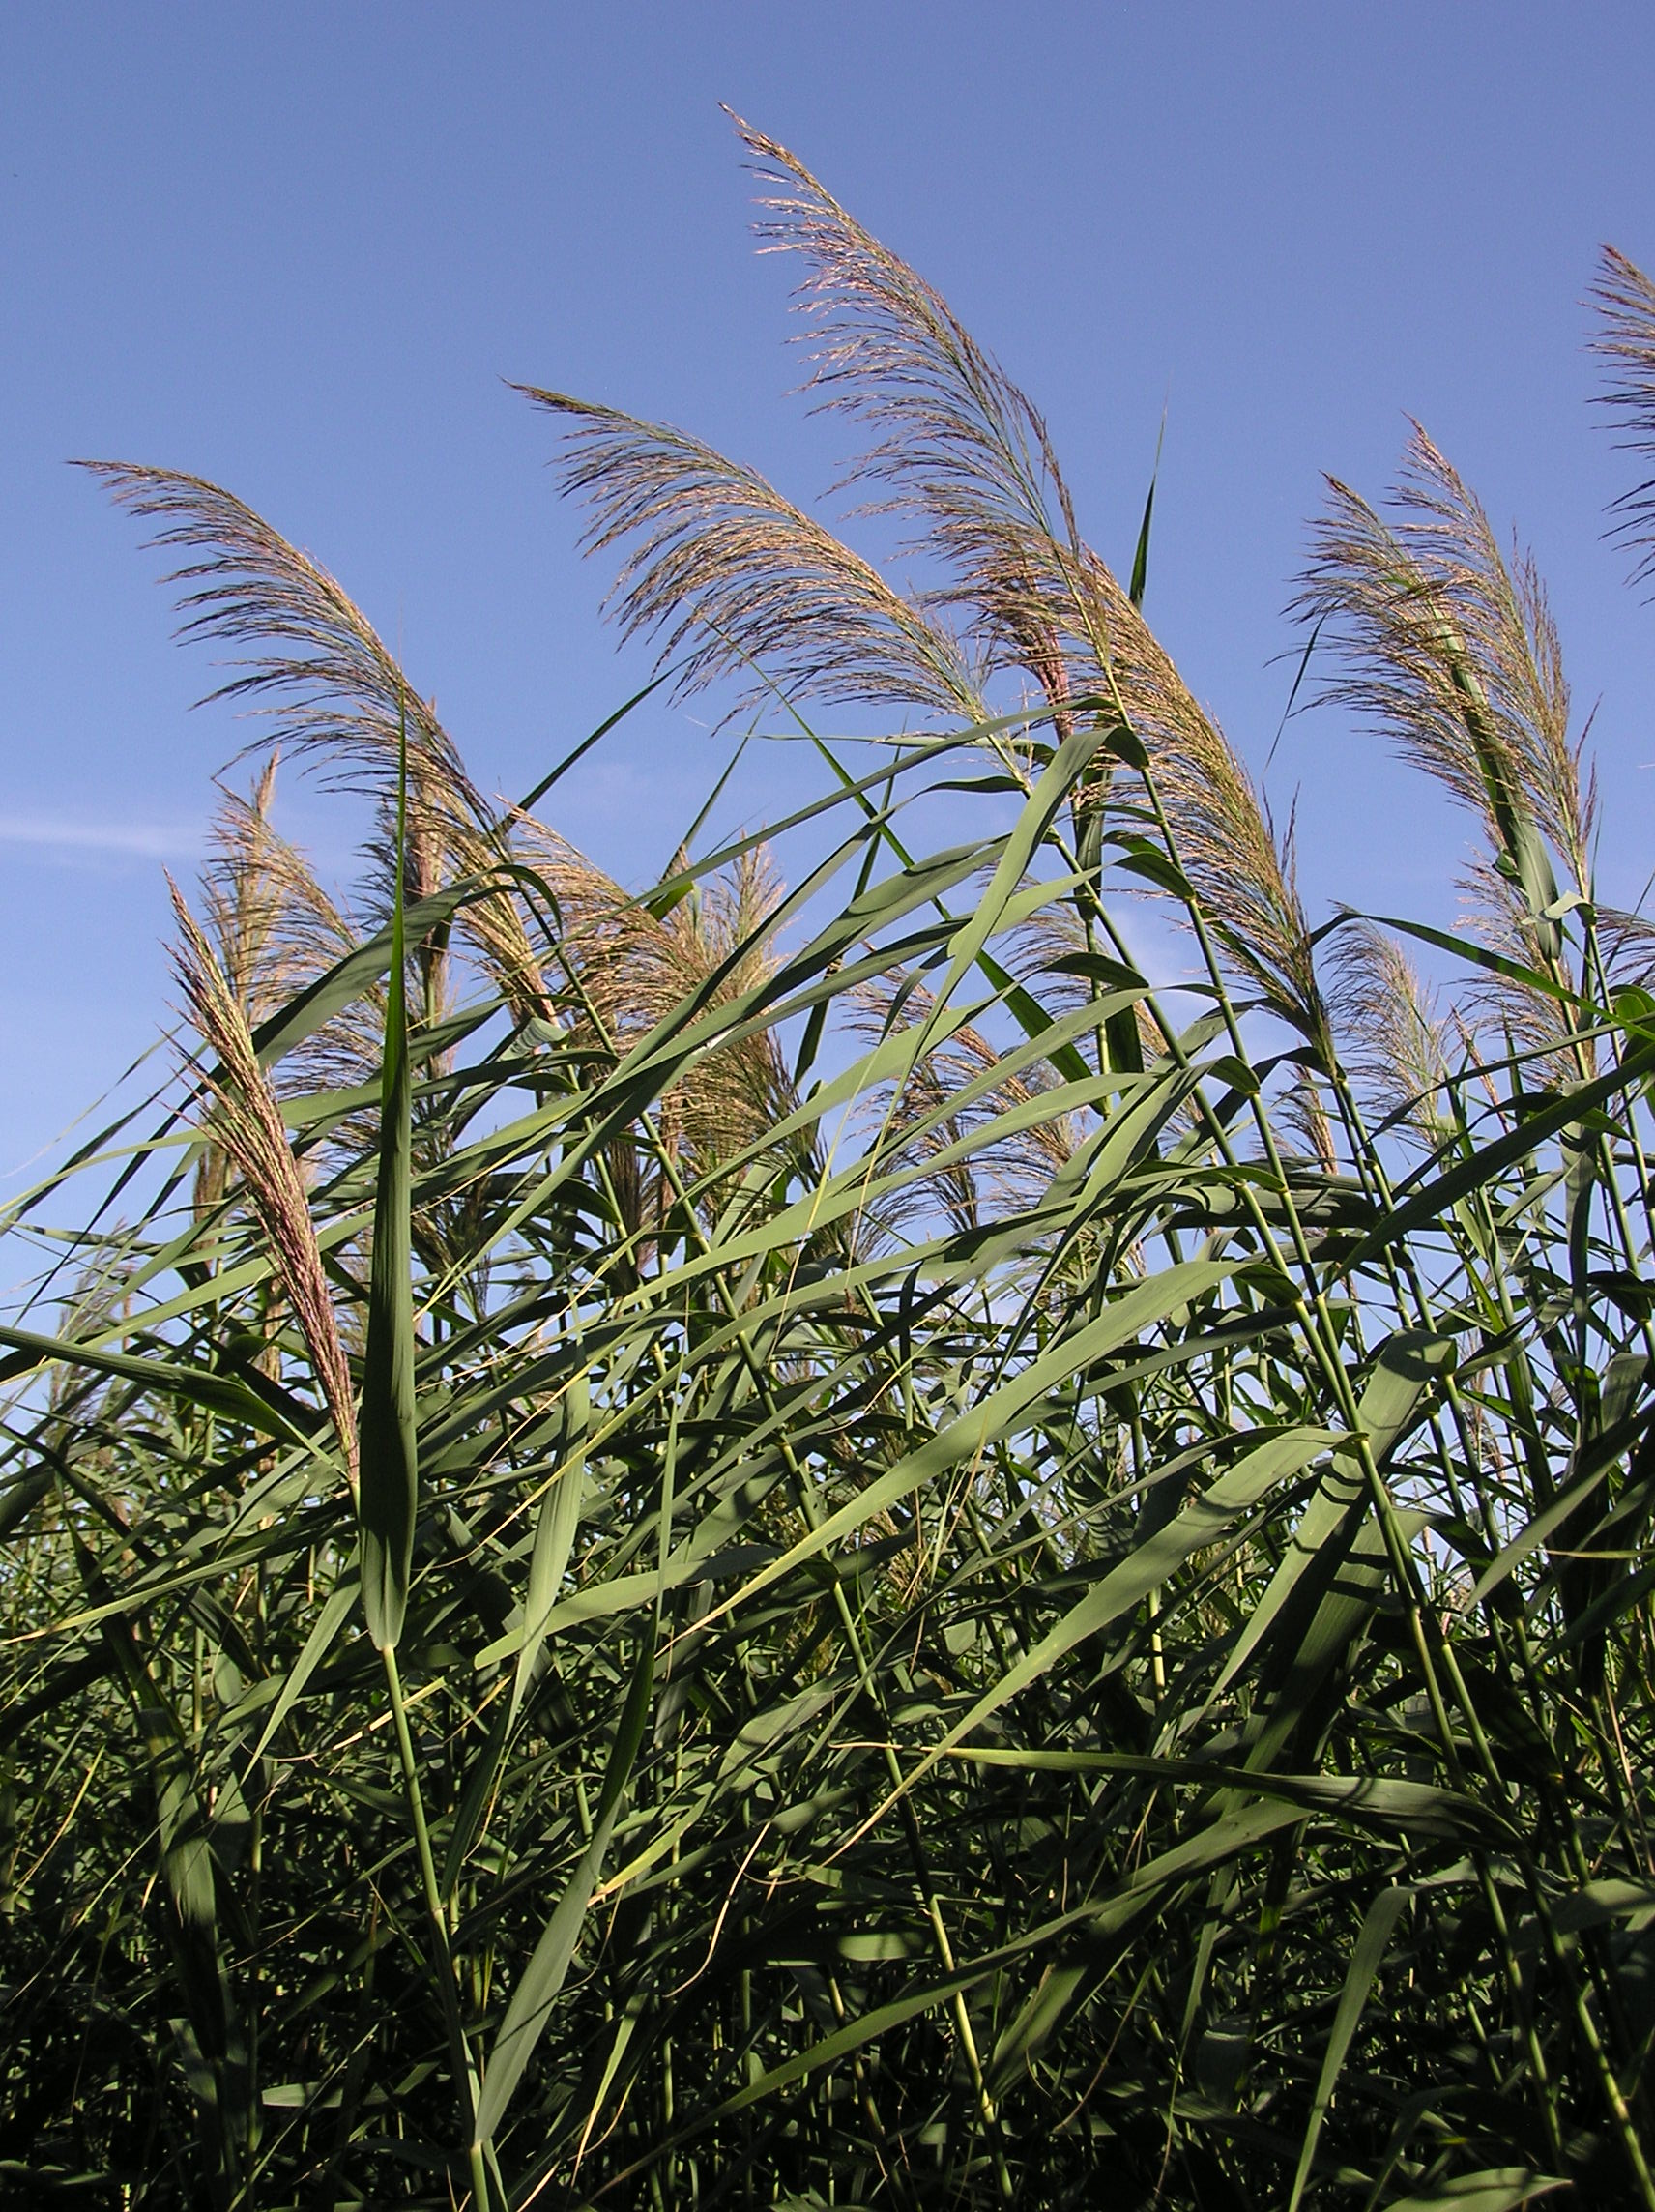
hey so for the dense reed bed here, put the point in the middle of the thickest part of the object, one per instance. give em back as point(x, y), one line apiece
point(731, 1545)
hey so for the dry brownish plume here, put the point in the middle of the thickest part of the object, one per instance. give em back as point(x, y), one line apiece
point(335, 690)
point(632, 968)
point(1395, 1043)
point(330, 689)
point(1624, 299)
point(275, 930)
point(964, 455)
point(1005, 1174)
point(1450, 653)
point(734, 579)
point(247, 1124)
point(959, 445)
point(249, 892)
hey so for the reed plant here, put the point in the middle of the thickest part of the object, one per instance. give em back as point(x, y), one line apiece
point(721, 1544)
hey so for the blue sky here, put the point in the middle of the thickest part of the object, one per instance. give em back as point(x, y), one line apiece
point(298, 249)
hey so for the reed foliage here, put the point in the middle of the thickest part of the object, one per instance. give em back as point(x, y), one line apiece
point(732, 1545)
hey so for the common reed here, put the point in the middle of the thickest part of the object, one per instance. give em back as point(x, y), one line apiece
point(980, 1577)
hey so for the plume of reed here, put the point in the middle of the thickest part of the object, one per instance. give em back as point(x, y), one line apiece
point(248, 1126)
point(733, 579)
point(961, 453)
point(632, 968)
point(100, 1292)
point(958, 449)
point(723, 569)
point(333, 689)
point(1244, 875)
point(1394, 1041)
point(1006, 1175)
point(329, 688)
point(1451, 653)
point(1628, 942)
point(1624, 301)
point(246, 888)
point(275, 929)
point(426, 859)
point(956, 441)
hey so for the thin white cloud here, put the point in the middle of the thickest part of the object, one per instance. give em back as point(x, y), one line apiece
point(147, 840)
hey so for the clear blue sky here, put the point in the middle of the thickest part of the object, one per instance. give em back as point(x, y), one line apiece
point(297, 249)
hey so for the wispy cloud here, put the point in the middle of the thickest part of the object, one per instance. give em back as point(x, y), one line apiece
point(147, 840)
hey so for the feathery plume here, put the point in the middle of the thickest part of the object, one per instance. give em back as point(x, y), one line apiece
point(338, 692)
point(1624, 299)
point(247, 1124)
point(333, 688)
point(632, 968)
point(961, 452)
point(1395, 1043)
point(739, 582)
point(275, 930)
point(1007, 1172)
point(1452, 655)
